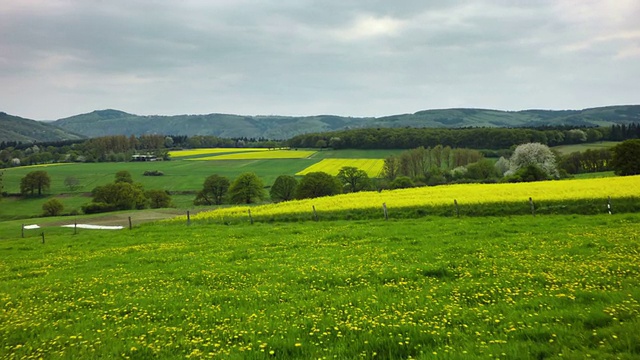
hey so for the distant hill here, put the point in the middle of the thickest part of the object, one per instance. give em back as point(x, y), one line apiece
point(114, 122)
point(14, 128)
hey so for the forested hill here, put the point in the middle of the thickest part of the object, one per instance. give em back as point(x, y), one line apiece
point(113, 122)
point(13, 128)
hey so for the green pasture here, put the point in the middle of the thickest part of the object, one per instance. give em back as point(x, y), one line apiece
point(568, 149)
point(471, 288)
point(355, 154)
point(181, 176)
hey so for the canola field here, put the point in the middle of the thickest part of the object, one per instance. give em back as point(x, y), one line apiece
point(261, 155)
point(372, 167)
point(565, 287)
point(463, 194)
point(209, 151)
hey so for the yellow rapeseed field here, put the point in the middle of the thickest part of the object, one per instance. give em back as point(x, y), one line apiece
point(372, 167)
point(626, 186)
point(196, 152)
point(261, 155)
point(45, 165)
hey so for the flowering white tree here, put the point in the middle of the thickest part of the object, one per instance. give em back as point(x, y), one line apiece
point(534, 154)
point(502, 165)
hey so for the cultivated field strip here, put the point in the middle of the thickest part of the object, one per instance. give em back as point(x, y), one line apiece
point(372, 167)
point(474, 194)
point(201, 152)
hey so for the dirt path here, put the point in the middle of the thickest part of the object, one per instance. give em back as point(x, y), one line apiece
point(122, 219)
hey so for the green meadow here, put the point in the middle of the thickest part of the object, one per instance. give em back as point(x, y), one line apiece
point(568, 149)
point(182, 176)
point(517, 287)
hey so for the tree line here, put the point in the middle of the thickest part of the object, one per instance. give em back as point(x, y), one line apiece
point(473, 138)
point(115, 148)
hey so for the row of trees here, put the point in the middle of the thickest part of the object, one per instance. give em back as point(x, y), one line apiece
point(474, 138)
point(435, 166)
point(248, 187)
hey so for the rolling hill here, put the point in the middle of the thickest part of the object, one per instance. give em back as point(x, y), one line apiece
point(115, 122)
point(112, 122)
point(14, 128)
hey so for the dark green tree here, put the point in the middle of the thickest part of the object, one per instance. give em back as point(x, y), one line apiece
point(284, 188)
point(121, 196)
point(124, 176)
point(213, 191)
point(626, 158)
point(354, 179)
point(402, 182)
point(528, 173)
point(246, 189)
point(317, 184)
point(480, 170)
point(35, 180)
point(158, 199)
point(52, 207)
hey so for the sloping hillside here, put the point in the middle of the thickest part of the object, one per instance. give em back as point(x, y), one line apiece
point(113, 122)
point(13, 128)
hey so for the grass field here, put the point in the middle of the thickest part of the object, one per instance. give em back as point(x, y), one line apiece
point(355, 154)
point(568, 149)
point(473, 288)
point(372, 167)
point(180, 176)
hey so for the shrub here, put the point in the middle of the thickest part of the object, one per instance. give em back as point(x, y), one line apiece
point(98, 207)
point(52, 207)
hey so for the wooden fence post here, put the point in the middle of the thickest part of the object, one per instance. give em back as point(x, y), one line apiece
point(533, 207)
point(384, 208)
point(315, 214)
point(130, 226)
point(188, 218)
point(22, 230)
point(455, 202)
point(609, 205)
point(42, 237)
point(250, 217)
point(75, 227)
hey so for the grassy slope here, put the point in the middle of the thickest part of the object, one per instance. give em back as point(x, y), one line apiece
point(13, 128)
point(568, 149)
point(513, 287)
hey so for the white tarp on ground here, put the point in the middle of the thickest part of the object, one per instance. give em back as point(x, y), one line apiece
point(95, 227)
point(31, 227)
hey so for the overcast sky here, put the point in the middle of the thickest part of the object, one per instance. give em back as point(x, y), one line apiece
point(301, 57)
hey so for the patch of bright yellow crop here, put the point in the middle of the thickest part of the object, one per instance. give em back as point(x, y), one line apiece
point(625, 186)
point(43, 165)
point(196, 152)
point(372, 167)
point(261, 155)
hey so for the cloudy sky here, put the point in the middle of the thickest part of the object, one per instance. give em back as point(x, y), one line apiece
point(302, 57)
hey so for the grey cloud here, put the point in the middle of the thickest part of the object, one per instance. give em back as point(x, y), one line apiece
point(304, 57)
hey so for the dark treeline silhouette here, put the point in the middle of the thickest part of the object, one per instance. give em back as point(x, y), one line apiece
point(473, 138)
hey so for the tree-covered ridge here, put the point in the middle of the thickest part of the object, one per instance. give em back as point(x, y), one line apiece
point(114, 122)
point(14, 128)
